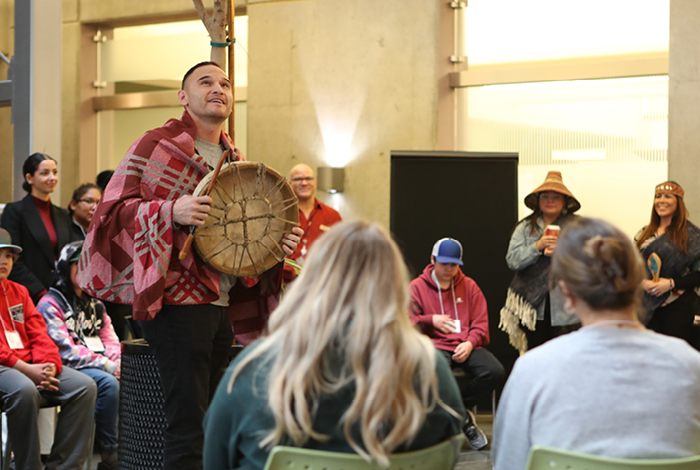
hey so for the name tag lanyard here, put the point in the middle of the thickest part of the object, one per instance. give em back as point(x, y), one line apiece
point(303, 237)
point(14, 341)
point(456, 322)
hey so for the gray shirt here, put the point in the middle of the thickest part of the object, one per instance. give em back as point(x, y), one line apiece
point(609, 391)
point(212, 154)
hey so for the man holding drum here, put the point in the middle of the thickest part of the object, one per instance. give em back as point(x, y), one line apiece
point(315, 217)
point(131, 256)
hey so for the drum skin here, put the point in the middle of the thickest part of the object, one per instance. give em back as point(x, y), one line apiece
point(253, 208)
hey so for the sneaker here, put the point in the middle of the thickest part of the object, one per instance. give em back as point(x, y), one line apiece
point(476, 438)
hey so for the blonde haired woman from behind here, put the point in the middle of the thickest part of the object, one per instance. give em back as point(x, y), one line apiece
point(612, 388)
point(342, 368)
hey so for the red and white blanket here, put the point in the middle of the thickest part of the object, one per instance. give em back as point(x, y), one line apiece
point(130, 253)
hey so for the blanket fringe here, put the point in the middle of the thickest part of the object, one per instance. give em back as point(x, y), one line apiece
point(517, 312)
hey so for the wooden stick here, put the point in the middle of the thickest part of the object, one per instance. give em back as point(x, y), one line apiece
point(210, 188)
point(232, 68)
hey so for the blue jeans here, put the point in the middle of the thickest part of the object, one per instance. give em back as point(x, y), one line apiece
point(106, 409)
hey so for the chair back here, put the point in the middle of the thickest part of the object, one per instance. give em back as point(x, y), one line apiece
point(442, 456)
point(547, 458)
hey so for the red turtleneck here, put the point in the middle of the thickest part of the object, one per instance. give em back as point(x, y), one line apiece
point(45, 212)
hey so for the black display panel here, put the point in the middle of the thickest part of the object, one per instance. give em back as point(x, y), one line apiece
point(469, 196)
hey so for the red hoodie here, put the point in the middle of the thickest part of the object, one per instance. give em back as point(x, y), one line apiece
point(471, 308)
point(38, 345)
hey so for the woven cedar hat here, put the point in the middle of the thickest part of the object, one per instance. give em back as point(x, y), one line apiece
point(553, 182)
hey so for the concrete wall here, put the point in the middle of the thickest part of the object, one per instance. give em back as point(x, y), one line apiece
point(336, 83)
point(684, 101)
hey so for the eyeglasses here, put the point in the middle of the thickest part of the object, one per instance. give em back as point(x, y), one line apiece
point(307, 179)
point(89, 202)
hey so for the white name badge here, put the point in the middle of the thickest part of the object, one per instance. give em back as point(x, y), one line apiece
point(457, 326)
point(13, 340)
point(94, 343)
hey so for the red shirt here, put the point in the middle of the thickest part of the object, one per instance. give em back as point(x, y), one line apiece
point(319, 221)
point(38, 345)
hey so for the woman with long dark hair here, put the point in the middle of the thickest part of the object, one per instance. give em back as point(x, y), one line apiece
point(342, 368)
point(39, 227)
point(613, 388)
point(532, 313)
point(671, 301)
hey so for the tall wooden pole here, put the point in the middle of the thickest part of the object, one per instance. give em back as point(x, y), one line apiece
point(232, 68)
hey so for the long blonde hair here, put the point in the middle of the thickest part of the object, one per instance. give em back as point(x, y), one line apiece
point(349, 306)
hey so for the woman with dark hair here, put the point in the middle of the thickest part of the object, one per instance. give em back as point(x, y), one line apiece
point(86, 341)
point(82, 207)
point(671, 301)
point(39, 227)
point(612, 388)
point(103, 179)
point(342, 369)
point(533, 313)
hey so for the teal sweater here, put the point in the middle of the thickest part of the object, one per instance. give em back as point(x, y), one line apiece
point(236, 422)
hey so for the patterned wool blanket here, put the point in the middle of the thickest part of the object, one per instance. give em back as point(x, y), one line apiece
point(131, 250)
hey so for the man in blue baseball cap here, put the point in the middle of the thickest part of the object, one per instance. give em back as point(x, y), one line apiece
point(451, 309)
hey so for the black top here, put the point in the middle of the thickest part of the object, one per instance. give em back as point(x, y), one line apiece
point(36, 264)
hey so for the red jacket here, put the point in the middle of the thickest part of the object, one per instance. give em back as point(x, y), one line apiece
point(38, 345)
point(471, 310)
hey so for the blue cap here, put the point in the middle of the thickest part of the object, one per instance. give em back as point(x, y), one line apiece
point(448, 250)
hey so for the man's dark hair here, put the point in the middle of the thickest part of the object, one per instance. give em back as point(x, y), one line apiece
point(195, 67)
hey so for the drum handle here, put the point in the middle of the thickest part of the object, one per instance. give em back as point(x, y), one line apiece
point(190, 237)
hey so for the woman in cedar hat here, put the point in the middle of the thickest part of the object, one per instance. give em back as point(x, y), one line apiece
point(670, 302)
point(533, 314)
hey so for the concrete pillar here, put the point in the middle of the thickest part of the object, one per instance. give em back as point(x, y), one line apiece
point(684, 101)
point(36, 82)
point(341, 84)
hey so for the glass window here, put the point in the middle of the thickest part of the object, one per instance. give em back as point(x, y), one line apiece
point(517, 30)
point(609, 139)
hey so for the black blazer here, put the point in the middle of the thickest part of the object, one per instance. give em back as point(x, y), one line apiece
point(36, 264)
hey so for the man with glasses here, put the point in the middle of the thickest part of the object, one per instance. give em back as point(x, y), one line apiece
point(315, 217)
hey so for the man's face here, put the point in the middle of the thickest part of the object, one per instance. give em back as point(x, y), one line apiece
point(303, 182)
point(445, 271)
point(207, 94)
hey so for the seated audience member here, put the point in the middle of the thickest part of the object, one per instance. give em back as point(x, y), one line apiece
point(315, 217)
point(612, 388)
point(450, 308)
point(83, 332)
point(342, 368)
point(82, 207)
point(31, 370)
